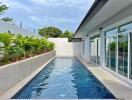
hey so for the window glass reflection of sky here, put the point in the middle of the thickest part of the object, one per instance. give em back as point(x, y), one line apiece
point(111, 32)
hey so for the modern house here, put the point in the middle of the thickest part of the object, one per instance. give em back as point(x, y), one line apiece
point(106, 33)
point(104, 38)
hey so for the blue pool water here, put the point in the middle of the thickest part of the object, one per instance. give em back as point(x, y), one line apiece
point(64, 78)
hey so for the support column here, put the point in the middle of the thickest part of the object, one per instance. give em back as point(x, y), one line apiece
point(102, 49)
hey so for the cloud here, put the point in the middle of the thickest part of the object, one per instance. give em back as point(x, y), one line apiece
point(14, 4)
point(52, 3)
point(56, 3)
point(53, 19)
point(66, 14)
point(34, 18)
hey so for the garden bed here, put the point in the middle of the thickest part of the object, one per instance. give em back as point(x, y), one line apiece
point(14, 48)
point(13, 73)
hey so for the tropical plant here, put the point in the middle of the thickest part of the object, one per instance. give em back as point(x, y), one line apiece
point(112, 46)
point(7, 19)
point(24, 42)
point(3, 8)
point(18, 47)
point(44, 45)
point(7, 39)
point(51, 46)
point(16, 53)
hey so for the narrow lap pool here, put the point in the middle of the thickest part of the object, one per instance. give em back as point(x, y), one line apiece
point(64, 78)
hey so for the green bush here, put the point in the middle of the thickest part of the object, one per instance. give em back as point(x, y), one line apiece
point(17, 47)
point(16, 53)
point(51, 46)
point(7, 40)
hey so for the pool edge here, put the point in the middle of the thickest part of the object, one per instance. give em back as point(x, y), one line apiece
point(114, 90)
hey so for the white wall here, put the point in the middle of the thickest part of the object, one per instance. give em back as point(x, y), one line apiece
point(65, 48)
point(13, 73)
point(77, 48)
point(5, 27)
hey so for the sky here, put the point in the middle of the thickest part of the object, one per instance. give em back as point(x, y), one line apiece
point(64, 14)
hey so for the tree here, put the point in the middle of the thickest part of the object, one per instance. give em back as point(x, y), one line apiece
point(67, 34)
point(7, 19)
point(3, 8)
point(50, 32)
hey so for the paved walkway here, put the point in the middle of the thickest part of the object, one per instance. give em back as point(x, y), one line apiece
point(112, 83)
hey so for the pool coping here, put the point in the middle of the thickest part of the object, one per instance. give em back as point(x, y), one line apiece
point(11, 92)
point(118, 88)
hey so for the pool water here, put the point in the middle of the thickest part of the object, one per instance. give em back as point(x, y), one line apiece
point(64, 78)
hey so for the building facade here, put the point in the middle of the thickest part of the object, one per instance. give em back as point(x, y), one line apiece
point(106, 32)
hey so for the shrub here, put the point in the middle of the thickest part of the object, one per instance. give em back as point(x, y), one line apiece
point(7, 40)
point(16, 53)
point(51, 46)
point(17, 47)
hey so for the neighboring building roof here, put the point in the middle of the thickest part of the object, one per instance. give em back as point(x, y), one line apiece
point(76, 40)
point(14, 29)
point(97, 5)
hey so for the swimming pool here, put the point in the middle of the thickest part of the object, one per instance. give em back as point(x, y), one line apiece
point(64, 78)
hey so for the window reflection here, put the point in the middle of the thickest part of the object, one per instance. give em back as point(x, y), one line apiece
point(125, 27)
point(120, 47)
point(123, 54)
point(111, 52)
point(111, 48)
point(111, 32)
point(131, 55)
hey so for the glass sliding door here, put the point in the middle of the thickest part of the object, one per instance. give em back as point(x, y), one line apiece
point(98, 50)
point(91, 50)
point(130, 55)
point(95, 49)
point(113, 52)
point(111, 45)
point(111, 49)
point(107, 52)
point(118, 42)
point(123, 54)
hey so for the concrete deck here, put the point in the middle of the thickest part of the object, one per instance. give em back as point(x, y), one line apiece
point(118, 88)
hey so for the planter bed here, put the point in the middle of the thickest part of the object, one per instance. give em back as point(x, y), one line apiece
point(13, 73)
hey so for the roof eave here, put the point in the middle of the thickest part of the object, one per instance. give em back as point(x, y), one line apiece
point(97, 5)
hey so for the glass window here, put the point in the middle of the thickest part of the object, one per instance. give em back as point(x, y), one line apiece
point(111, 45)
point(91, 49)
point(95, 49)
point(111, 32)
point(125, 27)
point(131, 56)
point(107, 51)
point(111, 49)
point(123, 54)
